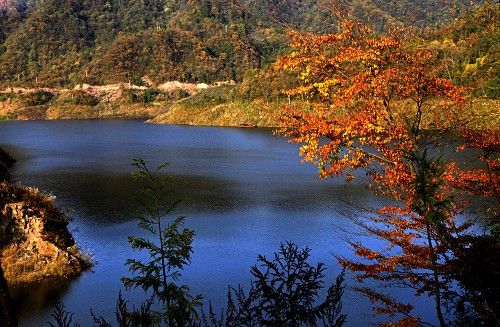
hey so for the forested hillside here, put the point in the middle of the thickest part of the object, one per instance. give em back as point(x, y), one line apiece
point(63, 43)
point(471, 50)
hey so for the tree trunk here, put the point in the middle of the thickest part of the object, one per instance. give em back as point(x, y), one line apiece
point(437, 285)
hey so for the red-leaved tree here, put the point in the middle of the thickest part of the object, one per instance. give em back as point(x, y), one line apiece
point(378, 103)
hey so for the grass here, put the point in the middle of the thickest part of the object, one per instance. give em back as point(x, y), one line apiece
point(221, 106)
point(485, 113)
point(224, 106)
point(229, 113)
point(22, 265)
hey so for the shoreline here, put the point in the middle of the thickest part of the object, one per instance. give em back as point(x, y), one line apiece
point(35, 242)
point(175, 105)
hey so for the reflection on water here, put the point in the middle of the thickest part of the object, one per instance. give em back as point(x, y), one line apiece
point(110, 199)
point(243, 190)
point(40, 297)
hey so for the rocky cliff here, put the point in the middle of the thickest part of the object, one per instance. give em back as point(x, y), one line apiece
point(34, 239)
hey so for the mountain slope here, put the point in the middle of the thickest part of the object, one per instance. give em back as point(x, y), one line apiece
point(54, 43)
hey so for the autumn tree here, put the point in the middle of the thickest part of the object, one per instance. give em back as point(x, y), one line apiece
point(477, 266)
point(373, 100)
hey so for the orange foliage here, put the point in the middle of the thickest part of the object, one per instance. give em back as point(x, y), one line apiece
point(358, 78)
point(369, 96)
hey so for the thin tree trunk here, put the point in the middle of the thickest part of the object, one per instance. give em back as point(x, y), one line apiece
point(437, 286)
point(163, 264)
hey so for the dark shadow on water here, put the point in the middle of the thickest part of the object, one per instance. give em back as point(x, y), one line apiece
point(111, 198)
point(39, 297)
point(108, 199)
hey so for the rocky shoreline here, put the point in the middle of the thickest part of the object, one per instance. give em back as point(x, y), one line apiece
point(35, 242)
point(168, 103)
point(173, 103)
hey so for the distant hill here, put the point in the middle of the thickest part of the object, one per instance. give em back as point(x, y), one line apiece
point(471, 49)
point(63, 43)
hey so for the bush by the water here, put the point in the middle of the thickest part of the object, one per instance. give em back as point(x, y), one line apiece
point(285, 291)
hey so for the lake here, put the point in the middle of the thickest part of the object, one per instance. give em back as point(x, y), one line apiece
point(243, 191)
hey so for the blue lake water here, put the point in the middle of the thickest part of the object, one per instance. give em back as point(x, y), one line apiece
point(243, 191)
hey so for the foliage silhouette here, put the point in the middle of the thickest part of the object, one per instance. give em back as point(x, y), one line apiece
point(62, 317)
point(142, 317)
point(284, 292)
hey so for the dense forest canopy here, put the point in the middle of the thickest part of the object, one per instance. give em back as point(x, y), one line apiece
point(471, 49)
point(64, 43)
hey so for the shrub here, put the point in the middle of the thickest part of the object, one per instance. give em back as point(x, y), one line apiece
point(169, 245)
point(37, 98)
point(83, 98)
point(7, 96)
point(132, 96)
point(136, 80)
point(147, 96)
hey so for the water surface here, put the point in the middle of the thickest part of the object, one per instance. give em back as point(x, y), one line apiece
point(243, 190)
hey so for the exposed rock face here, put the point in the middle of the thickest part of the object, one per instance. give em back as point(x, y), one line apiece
point(34, 239)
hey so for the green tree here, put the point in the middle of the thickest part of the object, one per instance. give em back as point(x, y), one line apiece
point(169, 247)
